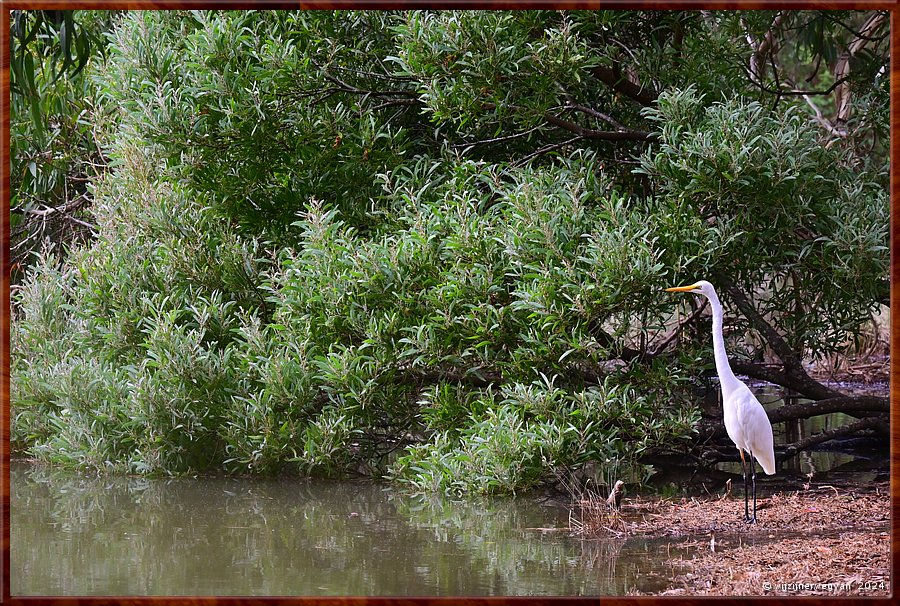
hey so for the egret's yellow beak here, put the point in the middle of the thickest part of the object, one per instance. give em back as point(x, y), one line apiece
point(683, 288)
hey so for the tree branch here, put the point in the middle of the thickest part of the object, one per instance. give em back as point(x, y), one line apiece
point(431, 376)
point(680, 328)
point(802, 384)
point(613, 77)
point(762, 49)
point(879, 423)
point(548, 148)
point(504, 138)
point(808, 442)
point(621, 351)
point(593, 112)
point(823, 121)
point(830, 405)
point(587, 133)
point(788, 356)
point(858, 34)
point(842, 67)
point(793, 375)
point(794, 92)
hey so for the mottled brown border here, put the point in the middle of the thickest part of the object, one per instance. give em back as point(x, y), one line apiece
point(895, 289)
point(4, 302)
point(457, 4)
point(7, 5)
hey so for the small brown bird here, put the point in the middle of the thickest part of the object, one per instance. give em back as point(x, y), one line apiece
point(614, 500)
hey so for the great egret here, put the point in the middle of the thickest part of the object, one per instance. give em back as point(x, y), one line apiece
point(745, 419)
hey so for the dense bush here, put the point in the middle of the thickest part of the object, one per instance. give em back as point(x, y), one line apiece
point(390, 244)
point(125, 351)
point(789, 214)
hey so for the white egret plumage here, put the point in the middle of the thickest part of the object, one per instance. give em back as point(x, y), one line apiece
point(745, 419)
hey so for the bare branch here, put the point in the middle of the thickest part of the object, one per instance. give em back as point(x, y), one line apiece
point(762, 49)
point(593, 112)
point(395, 103)
point(548, 148)
point(498, 139)
point(788, 356)
point(823, 121)
point(619, 350)
point(878, 422)
point(829, 434)
point(587, 133)
point(842, 67)
point(613, 77)
point(793, 375)
point(841, 403)
point(352, 89)
point(858, 34)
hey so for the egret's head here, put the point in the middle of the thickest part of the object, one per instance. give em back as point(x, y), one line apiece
point(700, 288)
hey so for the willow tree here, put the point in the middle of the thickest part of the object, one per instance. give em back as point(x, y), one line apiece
point(433, 244)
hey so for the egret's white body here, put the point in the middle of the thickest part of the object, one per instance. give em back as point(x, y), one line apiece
point(745, 419)
point(748, 426)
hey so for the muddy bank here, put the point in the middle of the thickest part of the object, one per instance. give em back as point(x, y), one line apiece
point(822, 541)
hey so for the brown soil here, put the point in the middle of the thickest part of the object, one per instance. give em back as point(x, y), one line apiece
point(821, 541)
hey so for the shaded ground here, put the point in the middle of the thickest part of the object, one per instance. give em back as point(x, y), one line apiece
point(822, 541)
point(870, 369)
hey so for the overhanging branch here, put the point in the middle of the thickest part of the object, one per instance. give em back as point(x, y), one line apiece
point(829, 434)
point(613, 77)
point(785, 352)
point(801, 383)
point(623, 134)
point(846, 404)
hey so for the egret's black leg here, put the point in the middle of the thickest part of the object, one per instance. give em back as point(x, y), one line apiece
point(746, 485)
point(753, 476)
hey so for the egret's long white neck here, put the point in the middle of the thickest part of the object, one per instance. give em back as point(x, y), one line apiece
point(726, 376)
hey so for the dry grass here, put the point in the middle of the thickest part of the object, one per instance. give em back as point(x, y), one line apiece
point(822, 541)
point(820, 509)
point(850, 564)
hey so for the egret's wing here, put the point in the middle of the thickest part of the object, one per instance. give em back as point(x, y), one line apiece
point(756, 430)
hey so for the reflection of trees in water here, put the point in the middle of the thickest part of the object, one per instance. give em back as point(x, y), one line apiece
point(508, 539)
point(212, 535)
point(625, 564)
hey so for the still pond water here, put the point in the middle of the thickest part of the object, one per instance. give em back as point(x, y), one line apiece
point(73, 534)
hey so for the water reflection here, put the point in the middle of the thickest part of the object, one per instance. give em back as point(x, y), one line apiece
point(77, 535)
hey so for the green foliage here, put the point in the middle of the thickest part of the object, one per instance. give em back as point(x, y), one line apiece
point(537, 427)
point(478, 70)
point(404, 244)
point(241, 105)
point(768, 203)
point(55, 35)
point(125, 351)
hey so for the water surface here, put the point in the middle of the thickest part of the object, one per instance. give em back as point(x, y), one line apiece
point(74, 534)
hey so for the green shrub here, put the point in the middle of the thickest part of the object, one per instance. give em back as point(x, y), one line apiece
point(537, 429)
point(404, 244)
